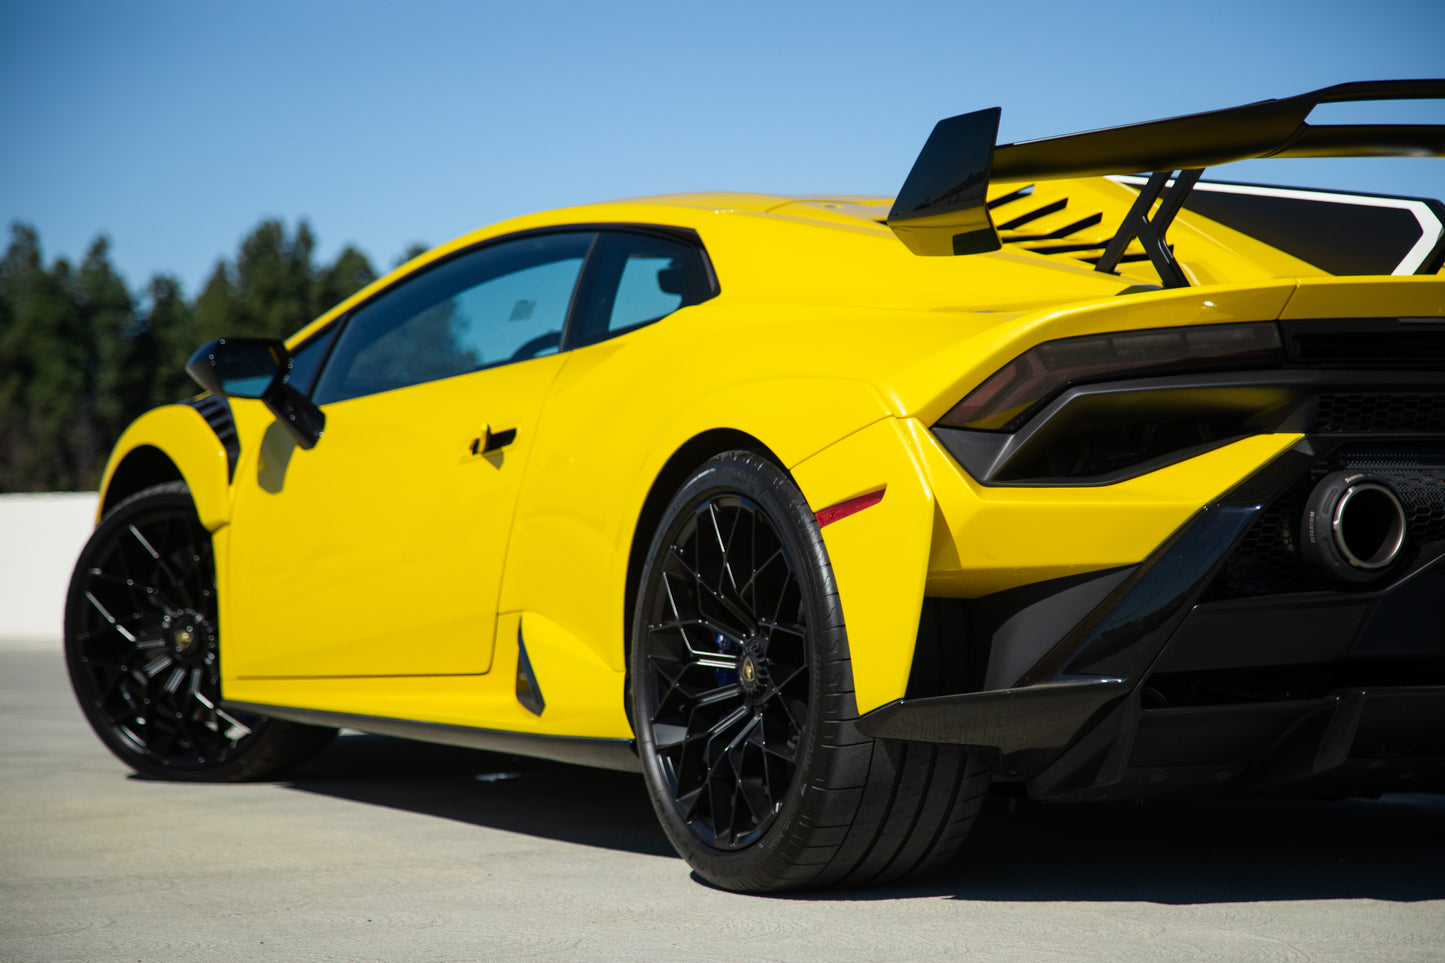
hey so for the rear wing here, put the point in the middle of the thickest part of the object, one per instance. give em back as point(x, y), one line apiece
point(942, 208)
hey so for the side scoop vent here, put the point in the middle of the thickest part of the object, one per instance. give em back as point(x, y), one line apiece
point(217, 412)
point(529, 693)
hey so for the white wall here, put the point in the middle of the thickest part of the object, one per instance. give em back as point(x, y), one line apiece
point(40, 537)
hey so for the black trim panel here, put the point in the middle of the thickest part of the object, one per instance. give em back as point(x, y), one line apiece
point(217, 412)
point(1028, 727)
point(1403, 618)
point(615, 754)
point(1342, 232)
point(1354, 740)
point(1233, 404)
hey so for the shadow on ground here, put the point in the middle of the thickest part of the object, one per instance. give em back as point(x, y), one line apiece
point(1219, 852)
point(593, 807)
point(1390, 848)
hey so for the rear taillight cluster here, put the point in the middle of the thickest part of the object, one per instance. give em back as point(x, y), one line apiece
point(1016, 391)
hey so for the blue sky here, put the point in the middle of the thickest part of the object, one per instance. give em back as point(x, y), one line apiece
point(174, 127)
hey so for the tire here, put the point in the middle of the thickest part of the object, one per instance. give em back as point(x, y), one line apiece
point(741, 692)
point(142, 648)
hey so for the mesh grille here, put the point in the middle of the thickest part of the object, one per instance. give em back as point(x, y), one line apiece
point(1267, 560)
point(1381, 411)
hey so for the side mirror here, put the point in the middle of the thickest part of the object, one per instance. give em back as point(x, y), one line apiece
point(258, 368)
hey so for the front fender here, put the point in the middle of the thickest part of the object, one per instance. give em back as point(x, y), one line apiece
point(181, 434)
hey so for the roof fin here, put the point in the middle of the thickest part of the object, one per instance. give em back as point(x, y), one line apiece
point(942, 208)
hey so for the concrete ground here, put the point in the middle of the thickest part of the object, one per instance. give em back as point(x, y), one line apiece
point(387, 850)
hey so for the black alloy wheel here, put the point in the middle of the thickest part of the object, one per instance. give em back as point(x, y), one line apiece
point(142, 647)
point(741, 697)
point(727, 649)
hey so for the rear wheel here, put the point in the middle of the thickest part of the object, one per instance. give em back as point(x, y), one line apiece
point(142, 647)
point(741, 695)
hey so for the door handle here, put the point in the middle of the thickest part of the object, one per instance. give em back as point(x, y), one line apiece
point(491, 441)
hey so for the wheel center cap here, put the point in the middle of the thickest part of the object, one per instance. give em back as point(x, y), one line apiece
point(184, 638)
point(752, 668)
point(748, 671)
point(187, 633)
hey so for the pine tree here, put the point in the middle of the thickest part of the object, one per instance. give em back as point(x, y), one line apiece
point(274, 280)
point(170, 338)
point(44, 381)
point(78, 361)
point(103, 343)
point(351, 272)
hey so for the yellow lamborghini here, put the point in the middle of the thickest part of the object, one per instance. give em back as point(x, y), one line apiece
point(824, 513)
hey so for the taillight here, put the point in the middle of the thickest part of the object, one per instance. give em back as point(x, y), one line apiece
point(1019, 388)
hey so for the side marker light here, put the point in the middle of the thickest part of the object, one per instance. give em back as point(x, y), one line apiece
point(849, 506)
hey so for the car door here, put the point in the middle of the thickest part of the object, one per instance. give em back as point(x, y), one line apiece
point(379, 551)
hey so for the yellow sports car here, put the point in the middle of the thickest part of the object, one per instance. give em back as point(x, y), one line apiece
point(826, 512)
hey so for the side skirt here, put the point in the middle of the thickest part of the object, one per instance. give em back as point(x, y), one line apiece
point(617, 754)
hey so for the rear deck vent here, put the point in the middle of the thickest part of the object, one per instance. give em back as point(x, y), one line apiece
point(1087, 247)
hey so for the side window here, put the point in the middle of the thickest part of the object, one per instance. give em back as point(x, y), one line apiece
point(639, 279)
point(306, 359)
point(500, 303)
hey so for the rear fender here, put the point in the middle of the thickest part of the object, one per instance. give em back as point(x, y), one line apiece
point(879, 554)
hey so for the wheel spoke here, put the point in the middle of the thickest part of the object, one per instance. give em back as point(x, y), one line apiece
point(720, 694)
point(723, 725)
point(782, 598)
point(789, 628)
point(732, 608)
point(751, 583)
point(162, 567)
point(681, 625)
point(105, 614)
point(722, 546)
point(788, 677)
point(688, 801)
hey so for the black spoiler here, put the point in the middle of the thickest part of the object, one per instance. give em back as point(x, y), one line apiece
point(942, 206)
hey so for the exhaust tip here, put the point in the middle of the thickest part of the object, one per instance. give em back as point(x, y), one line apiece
point(1354, 526)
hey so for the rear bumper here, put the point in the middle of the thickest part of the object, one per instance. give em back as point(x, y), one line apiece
point(1097, 741)
point(1176, 676)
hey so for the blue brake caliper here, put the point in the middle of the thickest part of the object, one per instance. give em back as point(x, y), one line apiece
point(726, 646)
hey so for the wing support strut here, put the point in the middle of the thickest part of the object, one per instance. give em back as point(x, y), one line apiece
point(1150, 231)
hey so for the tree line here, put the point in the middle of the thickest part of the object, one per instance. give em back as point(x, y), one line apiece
point(81, 355)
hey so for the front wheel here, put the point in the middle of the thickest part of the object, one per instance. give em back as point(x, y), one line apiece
point(742, 702)
point(142, 647)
